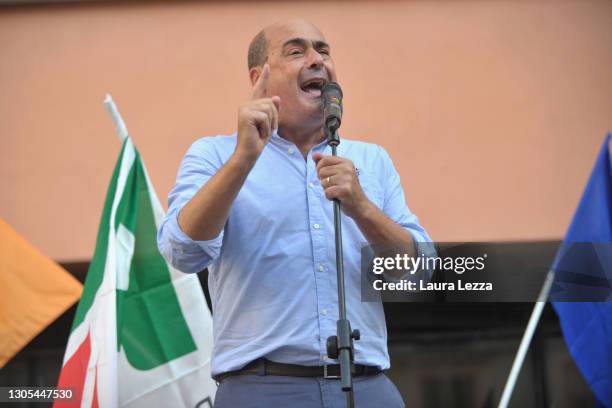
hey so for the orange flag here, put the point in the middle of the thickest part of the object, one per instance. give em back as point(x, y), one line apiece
point(34, 291)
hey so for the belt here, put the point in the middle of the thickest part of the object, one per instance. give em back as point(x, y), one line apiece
point(261, 366)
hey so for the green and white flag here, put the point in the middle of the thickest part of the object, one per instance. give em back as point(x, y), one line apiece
point(142, 333)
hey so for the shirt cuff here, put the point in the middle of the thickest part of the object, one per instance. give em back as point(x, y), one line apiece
point(211, 247)
point(179, 249)
point(423, 248)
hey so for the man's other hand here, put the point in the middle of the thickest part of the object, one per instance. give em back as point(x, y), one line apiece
point(339, 179)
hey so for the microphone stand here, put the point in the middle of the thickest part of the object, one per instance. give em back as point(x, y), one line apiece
point(340, 346)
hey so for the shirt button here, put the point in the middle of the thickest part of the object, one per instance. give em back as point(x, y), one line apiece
point(311, 184)
point(316, 226)
point(321, 268)
point(290, 151)
point(324, 312)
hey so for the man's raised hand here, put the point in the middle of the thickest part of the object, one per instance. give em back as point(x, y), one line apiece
point(257, 119)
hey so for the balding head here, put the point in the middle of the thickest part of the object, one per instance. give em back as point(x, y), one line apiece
point(258, 48)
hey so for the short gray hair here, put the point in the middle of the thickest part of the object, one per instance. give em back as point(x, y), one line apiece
point(258, 50)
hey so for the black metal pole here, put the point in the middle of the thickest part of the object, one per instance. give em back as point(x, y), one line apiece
point(340, 347)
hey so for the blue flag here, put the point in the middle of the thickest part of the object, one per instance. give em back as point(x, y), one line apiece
point(583, 271)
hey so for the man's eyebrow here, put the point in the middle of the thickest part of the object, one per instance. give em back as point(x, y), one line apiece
point(295, 41)
point(318, 44)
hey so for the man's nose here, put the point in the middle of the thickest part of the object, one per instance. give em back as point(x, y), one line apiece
point(315, 59)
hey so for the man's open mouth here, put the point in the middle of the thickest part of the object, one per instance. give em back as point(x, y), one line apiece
point(313, 86)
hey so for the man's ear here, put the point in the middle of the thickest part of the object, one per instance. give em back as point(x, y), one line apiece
point(254, 74)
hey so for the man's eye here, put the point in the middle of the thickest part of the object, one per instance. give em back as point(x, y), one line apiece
point(295, 52)
point(324, 52)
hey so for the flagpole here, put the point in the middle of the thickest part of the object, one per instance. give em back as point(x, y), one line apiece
point(119, 123)
point(526, 340)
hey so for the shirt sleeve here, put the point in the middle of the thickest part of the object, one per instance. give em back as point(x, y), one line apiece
point(200, 163)
point(395, 207)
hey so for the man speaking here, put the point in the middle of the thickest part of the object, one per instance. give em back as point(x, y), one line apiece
point(255, 209)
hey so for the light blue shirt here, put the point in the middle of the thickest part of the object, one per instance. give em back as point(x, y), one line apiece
point(272, 274)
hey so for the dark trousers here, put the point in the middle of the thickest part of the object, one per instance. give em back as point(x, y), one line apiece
point(253, 391)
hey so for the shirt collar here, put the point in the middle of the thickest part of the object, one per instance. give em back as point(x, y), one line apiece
point(282, 142)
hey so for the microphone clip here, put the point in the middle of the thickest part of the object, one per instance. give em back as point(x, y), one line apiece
point(331, 132)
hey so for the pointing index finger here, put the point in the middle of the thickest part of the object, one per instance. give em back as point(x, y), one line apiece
point(259, 89)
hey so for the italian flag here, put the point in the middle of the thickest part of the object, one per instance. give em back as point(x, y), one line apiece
point(142, 333)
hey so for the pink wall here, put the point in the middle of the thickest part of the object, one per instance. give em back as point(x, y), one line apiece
point(493, 111)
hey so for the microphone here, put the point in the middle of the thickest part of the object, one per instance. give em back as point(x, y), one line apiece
point(332, 110)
